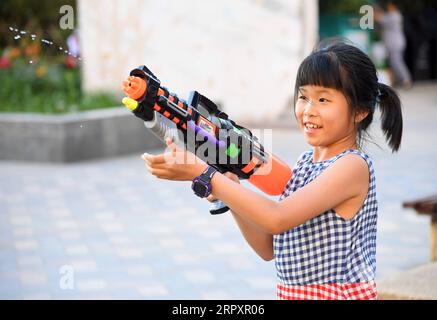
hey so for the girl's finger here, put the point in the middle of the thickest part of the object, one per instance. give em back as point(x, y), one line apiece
point(159, 173)
point(162, 166)
point(154, 159)
point(211, 198)
point(146, 157)
point(168, 140)
point(174, 148)
point(232, 176)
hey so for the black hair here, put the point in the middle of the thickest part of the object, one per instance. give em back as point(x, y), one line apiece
point(344, 67)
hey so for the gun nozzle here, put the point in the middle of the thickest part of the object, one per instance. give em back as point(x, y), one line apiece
point(134, 87)
point(130, 103)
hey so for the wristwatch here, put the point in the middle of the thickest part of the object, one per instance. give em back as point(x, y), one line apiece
point(202, 184)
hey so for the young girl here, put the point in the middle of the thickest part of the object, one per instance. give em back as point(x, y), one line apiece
point(322, 232)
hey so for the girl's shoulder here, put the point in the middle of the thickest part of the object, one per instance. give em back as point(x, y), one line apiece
point(362, 154)
point(357, 152)
point(307, 158)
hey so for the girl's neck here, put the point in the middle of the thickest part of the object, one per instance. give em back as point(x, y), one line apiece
point(322, 153)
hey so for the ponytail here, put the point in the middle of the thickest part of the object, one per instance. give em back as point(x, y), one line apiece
point(391, 116)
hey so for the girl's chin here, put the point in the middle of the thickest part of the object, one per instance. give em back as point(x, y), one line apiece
point(313, 142)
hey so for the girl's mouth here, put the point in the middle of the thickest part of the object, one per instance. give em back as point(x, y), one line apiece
point(311, 127)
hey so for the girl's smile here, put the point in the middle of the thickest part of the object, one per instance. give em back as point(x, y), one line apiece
point(311, 128)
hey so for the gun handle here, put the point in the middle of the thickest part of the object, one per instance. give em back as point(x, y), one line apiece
point(218, 207)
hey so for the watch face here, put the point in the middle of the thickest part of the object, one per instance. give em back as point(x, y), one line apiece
point(200, 189)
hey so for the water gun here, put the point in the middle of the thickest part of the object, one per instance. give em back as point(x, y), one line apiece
point(199, 126)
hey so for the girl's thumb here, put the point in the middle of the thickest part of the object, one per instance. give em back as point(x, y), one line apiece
point(171, 145)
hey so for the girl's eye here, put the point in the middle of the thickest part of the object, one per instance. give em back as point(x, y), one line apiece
point(323, 100)
point(302, 97)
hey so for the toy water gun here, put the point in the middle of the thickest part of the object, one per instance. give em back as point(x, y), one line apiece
point(201, 128)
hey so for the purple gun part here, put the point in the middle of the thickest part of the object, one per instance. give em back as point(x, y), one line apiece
point(203, 133)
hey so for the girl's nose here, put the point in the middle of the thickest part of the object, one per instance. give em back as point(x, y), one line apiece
point(309, 109)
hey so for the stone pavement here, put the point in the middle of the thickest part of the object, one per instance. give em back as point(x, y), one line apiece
point(419, 283)
point(116, 232)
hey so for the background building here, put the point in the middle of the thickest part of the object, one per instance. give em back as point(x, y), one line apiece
point(241, 54)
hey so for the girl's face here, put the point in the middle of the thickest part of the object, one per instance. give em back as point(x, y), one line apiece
point(323, 116)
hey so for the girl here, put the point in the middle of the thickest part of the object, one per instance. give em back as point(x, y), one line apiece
point(322, 231)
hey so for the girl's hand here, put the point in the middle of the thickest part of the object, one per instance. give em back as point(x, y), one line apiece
point(178, 164)
point(231, 176)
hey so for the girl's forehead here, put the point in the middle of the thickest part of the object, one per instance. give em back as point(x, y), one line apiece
point(317, 89)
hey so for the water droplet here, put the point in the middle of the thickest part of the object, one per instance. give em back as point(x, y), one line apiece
point(66, 51)
point(16, 30)
point(23, 32)
point(60, 48)
point(10, 28)
point(17, 37)
point(81, 126)
point(30, 61)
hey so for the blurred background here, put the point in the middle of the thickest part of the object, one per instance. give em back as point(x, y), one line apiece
point(80, 218)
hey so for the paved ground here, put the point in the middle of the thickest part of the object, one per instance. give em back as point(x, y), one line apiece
point(418, 283)
point(114, 231)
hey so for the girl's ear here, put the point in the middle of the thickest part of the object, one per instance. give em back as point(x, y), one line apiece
point(360, 116)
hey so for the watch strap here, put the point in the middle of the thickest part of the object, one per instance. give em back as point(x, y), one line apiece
point(207, 174)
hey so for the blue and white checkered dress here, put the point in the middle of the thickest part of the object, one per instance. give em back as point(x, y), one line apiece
point(328, 249)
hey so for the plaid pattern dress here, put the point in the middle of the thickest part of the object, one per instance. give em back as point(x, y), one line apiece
point(328, 257)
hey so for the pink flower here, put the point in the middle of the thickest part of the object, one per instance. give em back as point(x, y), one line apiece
point(5, 63)
point(70, 62)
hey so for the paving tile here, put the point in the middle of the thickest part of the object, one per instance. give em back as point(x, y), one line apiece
point(83, 265)
point(26, 245)
point(92, 285)
point(215, 295)
point(30, 261)
point(200, 276)
point(33, 277)
point(152, 290)
point(77, 250)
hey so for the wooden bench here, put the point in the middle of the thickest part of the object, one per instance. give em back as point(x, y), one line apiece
point(427, 206)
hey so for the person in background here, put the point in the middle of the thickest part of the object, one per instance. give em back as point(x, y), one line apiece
point(391, 22)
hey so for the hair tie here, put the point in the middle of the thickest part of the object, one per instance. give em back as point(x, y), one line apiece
point(380, 95)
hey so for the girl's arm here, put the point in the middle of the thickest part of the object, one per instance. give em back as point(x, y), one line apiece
point(260, 241)
point(346, 178)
